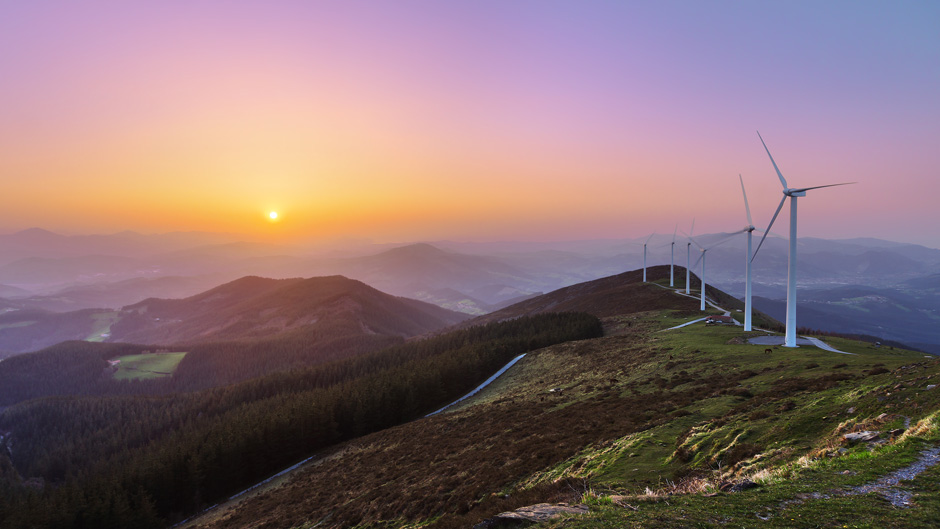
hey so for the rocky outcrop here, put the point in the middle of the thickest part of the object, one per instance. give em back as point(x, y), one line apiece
point(541, 512)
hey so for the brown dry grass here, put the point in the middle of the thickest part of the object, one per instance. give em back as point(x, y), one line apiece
point(455, 466)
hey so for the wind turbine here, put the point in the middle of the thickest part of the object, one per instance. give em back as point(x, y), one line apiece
point(702, 260)
point(688, 258)
point(747, 262)
point(704, 250)
point(644, 254)
point(792, 194)
point(672, 256)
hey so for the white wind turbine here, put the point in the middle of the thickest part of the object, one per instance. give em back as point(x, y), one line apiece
point(747, 262)
point(704, 250)
point(644, 254)
point(702, 276)
point(792, 194)
point(688, 258)
point(672, 256)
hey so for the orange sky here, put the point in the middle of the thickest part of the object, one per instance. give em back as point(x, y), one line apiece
point(481, 120)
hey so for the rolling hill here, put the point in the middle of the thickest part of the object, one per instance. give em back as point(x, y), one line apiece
point(647, 428)
point(679, 424)
point(251, 308)
point(114, 295)
point(254, 307)
point(30, 329)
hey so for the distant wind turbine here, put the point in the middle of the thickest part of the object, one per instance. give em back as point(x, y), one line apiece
point(644, 254)
point(792, 194)
point(701, 259)
point(688, 258)
point(672, 256)
point(747, 261)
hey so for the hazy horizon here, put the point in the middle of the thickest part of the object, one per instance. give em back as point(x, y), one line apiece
point(234, 237)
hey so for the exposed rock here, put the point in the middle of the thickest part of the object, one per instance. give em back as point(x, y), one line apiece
point(736, 486)
point(858, 437)
point(931, 386)
point(541, 512)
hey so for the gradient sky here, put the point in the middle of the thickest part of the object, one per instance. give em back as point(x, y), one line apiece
point(475, 120)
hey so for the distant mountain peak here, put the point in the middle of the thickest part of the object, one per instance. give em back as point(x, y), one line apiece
point(36, 232)
point(418, 248)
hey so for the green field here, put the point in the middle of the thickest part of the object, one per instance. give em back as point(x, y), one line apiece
point(102, 325)
point(144, 366)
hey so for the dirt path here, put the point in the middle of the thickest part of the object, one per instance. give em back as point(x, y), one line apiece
point(887, 486)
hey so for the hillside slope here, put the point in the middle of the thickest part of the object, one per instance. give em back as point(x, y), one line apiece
point(32, 329)
point(254, 307)
point(631, 413)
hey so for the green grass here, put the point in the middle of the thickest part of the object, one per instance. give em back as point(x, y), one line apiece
point(102, 322)
point(145, 366)
point(788, 419)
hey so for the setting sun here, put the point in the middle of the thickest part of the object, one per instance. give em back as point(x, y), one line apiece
point(273, 215)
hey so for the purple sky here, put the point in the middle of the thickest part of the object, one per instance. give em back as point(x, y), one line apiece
point(475, 120)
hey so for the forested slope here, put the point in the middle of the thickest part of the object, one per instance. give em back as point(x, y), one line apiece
point(143, 461)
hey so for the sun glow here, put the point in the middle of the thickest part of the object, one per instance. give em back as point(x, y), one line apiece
point(272, 215)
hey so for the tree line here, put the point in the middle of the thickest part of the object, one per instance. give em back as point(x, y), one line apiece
point(147, 460)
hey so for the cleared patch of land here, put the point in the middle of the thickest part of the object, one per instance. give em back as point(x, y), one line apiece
point(151, 365)
point(102, 323)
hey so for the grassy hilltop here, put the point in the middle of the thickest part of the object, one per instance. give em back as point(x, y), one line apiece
point(649, 428)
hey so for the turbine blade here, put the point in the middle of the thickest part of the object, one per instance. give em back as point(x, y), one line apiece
point(727, 237)
point(691, 231)
point(768, 227)
point(650, 237)
point(782, 179)
point(700, 247)
point(746, 207)
point(674, 234)
point(820, 187)
point(699, 260)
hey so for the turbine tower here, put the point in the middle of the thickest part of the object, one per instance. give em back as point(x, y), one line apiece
point(702, 277)
point(644, 254)
point(747, 262)
point(688, 258)
point(792, 194)
point(727, 237)
point(672, 256)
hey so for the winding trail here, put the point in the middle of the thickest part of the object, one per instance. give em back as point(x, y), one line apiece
point(487, 382)
point(886, 486)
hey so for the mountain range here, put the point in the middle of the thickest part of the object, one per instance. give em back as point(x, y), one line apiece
point(42, 270)
point(612, 404)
